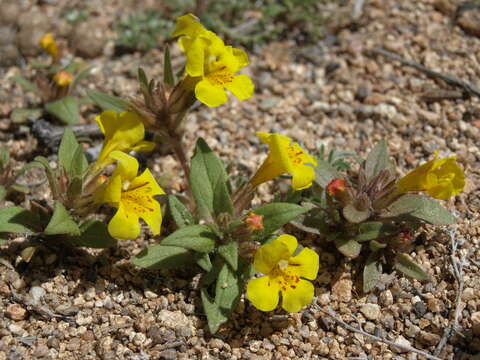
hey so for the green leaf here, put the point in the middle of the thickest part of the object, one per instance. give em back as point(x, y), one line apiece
point(70, 155)
point(66, 109)
point(163, 257)
point(227, 294)
point(43, 162)
point(353, 215)
point(374, 230)
point(215, 316)
point(80, 76)
point(61, 222)
point(22, 115)
point(325, 173)
point(168, 77)
point(4, 159)
point(181, 215)
point(276, 215)
point(208, 181)
point(412, 207)
point(376, 245)
point(377, 160)
point(15, 219)
point(204, 262)
point(405, 265)
point(229, 252)
point(371, 272)
point(194, 237)
point(3, 193)
point(108, 102)
point(94, 235)
point(348, 247)
point(25, 84)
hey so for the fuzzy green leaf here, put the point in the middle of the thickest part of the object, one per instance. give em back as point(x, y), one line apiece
point(374, 230)
point(349, 248)
point(181, 215)
point(229, 252)
point(371, 272)
point(278, 214)
point(407, 266)
point(215, 316)
point(325, 173)
point(163, 257)
point(80, 76)
point(198, 238)
point(15, 219)
point(377, 160)
point(208, 181)
point(94, 235)
point(25, 84)
point(376, 245)
point(22, 115)
point(353, 215)
point(412, 207)
point(70, 155)
point(168, 77)
point(3, 193)
point(61, 222)
point(204, 262)
point(66, 109)
point(108, 102)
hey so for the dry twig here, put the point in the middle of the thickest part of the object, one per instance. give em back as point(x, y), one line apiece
point(342, 323)
point(449, 79)
point(457, 269)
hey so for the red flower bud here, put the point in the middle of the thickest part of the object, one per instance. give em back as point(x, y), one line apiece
point(254, 222)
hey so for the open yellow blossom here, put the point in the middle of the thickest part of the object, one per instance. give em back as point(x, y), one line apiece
point(123, 132)
point(283, 273)
point(133, 196)
point(285, 157)
point(440, 178)
point(47, 42)
point(212, 64)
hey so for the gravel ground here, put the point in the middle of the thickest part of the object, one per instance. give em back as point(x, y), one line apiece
point(93, 304)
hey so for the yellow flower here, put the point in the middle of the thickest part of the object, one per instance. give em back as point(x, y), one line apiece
point(212, 64)
point(283, 273)
point(63, 78)
point(440, 178)
point(285, 157)
point(47, 42)
point(123, 132)
point(133, 196)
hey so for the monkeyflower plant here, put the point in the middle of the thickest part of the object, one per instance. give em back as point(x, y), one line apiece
point(366, 212)
point(54, 83)
point(374, 213)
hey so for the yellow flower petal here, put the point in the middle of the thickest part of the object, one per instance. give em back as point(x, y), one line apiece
point(294, 299)
point(124, 225)
point(144, 146)
point(441, 178)
point(306, 264)
point(195, 57)
point(263, 293)
point(188, 25)
point(209, 94)
point(289, 241)
point(122, 132)
point(285, 157)
point(111, 192)
point(147, 178)
point(127, 167)
point(267, 257)
point(241, 86)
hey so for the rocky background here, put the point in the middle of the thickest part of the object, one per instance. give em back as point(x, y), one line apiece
point(330, 88)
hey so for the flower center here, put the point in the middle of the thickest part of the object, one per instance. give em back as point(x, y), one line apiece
point(295, 154)
point(221, 77)
point(284, 276)
point(138, 199)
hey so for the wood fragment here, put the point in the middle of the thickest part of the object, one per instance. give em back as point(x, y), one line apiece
point(449, 79)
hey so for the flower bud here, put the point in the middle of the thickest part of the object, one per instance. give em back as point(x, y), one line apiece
point(47, 42)
point(337, 188)
point(254, 222)
point(63, 78)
